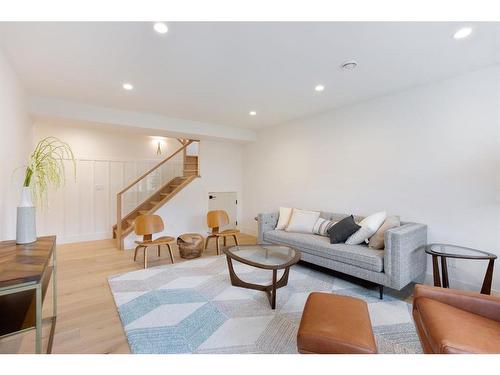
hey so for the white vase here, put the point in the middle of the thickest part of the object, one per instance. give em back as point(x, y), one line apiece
point(26, 200)
point(26, 218)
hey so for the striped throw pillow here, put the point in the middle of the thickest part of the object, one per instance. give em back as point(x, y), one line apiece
point(322, 225)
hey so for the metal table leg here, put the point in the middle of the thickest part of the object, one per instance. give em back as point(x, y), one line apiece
point(38, 319)
point(54, 303)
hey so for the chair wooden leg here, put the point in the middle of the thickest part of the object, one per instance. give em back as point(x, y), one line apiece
point(206, 242)
point(225, 241)
point(218, 246)
point(145, 257)
point(135, 252)
point(170, 252)
point(236, 239)
point(159, 247)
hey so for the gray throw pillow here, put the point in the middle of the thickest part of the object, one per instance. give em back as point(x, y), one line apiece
point(377, 240)
point(342, 230)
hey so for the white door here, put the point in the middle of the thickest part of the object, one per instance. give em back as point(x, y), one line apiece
point(227, 201)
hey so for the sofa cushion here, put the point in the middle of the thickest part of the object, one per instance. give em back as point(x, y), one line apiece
point(357, 255)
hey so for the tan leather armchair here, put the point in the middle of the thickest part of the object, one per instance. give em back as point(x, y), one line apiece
point(454, 321)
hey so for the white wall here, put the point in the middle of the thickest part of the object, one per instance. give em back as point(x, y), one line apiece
point(15, 145)
point(430, 154)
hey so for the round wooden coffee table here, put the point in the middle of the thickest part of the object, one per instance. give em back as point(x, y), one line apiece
point(268, 257)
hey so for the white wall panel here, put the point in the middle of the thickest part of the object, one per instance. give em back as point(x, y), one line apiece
point(71, 206)
point(86, 196)
point(101, 200)
point(116, 183)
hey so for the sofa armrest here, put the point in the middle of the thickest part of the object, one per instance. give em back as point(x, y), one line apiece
point(266, 222)
point(405, 259)
point(473, 302)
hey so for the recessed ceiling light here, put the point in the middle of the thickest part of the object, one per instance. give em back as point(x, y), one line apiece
point(128, 86)
point(349, 65)
point(319, 88)
point(160, 27)
point(464, 32)
point(252, 113)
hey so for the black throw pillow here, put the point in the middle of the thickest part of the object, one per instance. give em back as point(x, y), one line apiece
point(341, 231)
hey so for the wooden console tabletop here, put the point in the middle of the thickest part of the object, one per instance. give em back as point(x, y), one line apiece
point(25, 273)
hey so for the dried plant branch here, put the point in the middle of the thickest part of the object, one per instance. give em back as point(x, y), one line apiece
point(46, 166)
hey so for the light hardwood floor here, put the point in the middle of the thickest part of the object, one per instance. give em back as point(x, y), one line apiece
point(87, 319)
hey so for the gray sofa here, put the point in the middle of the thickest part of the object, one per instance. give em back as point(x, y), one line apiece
point(402, 261)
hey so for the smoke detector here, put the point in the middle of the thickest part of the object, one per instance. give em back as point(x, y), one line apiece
point(349, 65)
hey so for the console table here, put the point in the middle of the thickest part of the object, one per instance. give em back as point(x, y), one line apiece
point(25, 273)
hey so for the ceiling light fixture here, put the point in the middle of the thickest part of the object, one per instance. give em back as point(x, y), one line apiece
point(128, 86)
point(462, 33)
point(349, 65)
point(319, 88)
point(160, 27)
point(252, 113)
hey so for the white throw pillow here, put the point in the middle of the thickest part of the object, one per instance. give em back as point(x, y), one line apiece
point(302, 221)
point(369, 225)
point(284, 218)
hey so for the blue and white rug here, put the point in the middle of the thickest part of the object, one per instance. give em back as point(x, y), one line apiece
point(191, 307)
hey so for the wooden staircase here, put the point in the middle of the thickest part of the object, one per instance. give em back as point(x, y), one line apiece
point(161, 196)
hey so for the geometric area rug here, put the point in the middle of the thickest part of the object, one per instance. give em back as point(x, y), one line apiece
point(191, 307)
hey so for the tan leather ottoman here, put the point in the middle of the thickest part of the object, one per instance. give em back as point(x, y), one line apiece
point(335, 324)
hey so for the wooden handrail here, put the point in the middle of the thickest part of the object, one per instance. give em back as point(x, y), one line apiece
point(119, 239)
point(154, 168)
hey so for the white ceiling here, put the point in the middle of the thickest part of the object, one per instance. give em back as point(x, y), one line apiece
point(218, 72)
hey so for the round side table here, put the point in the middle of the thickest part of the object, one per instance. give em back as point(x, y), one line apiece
point(458, 252)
